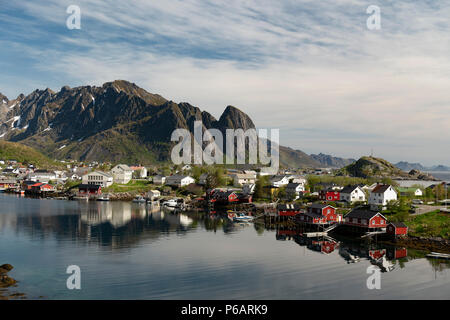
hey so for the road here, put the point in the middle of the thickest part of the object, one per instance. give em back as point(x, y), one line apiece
point(423, 208)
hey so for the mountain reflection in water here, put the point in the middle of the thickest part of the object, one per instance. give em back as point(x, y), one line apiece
point(134, 251)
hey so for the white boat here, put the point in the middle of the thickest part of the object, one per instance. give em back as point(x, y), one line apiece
point(438, 255)
point(86, 198)
point(239, 217)
point(103, 197)
point(172, 203)
point(139, 199)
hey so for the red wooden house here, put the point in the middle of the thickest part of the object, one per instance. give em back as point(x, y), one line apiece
point(329, 195)
point(313, 218)
point(397, 229)
point(324, 210)
point(41, 187)
point(377, 253)
point(288, 210)
point(365, 219)
point(89, 189)
point(325, 246)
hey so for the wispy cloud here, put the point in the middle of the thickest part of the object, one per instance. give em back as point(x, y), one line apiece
point(289, 64)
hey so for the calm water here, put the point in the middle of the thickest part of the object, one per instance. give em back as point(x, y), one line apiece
point(127, 252)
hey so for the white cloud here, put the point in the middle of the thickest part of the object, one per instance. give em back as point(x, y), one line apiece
point(288, 64)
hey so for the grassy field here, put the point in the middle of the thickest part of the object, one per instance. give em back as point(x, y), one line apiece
point(26, 155)
point(137, 186)
point(431, 224)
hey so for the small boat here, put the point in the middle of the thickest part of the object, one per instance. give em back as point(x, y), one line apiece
point(438, 255)
point(86, 198)
point(239, 217)
point(172, 203)
point(139, 199)
point(103, 197)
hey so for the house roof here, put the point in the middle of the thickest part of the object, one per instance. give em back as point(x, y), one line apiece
point(381, 188)
point(362, 213)
point(293, 185)
point(399, 224)
point(286, 207)
point(244, 176)
point(101, 172)
point(349, 189)
point(124, 167)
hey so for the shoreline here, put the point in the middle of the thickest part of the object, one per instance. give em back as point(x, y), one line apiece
point(431, 244)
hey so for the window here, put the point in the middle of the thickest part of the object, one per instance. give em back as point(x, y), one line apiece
point(373, 222)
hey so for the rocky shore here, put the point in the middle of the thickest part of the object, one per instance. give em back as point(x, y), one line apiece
point(6, 282)
point(422, 243)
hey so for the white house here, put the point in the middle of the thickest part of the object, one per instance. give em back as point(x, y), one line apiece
point(122, 174)
point(98, 178)
point(41, 176)
point(179, 180)
point(159, 179)
point(381, 195)
point(352, 194)
point(294, 189)
point(279, 181)
point(139, 171)
point(240, 179)
point(153, 194)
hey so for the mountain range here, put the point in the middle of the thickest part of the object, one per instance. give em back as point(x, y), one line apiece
point(117, 121)
point(407, 166)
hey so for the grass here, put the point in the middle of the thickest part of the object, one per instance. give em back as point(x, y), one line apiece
point(138, 186)
point(431, 224)
point(25, 155)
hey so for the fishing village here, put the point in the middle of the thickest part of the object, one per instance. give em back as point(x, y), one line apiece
point(312, 203)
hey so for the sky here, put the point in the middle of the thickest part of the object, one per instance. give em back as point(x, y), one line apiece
point(312, 69)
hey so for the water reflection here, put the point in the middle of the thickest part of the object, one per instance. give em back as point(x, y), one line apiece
point(125, 224)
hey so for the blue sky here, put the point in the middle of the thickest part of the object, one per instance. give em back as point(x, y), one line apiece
point(310, 68)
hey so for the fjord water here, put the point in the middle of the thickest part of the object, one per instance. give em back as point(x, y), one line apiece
point(126, 251)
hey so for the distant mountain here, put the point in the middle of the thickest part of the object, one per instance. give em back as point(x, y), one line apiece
point(371, 167)
point(438, 168)
point(406, 166)
point(118, 121)
point(326, 160)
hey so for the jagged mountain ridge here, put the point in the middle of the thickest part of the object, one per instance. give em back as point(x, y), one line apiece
point(117, 121)
point(329, 161)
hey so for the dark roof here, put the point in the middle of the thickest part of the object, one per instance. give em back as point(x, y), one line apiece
point(313, 215)
point(286, 207)
point(381, 188)
point(348, 189)
point(319, 205)
point(399, 224)
point(292, 185)
point(362, 213)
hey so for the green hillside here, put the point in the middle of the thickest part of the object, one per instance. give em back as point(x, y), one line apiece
point(25, 154)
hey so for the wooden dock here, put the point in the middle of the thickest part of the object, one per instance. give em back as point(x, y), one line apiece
point(437, 255)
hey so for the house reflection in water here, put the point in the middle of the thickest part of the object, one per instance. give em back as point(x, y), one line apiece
point(352, 252)
point(117, 214)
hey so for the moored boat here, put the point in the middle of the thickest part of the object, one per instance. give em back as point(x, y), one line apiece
point(139, 199)
point(103, 197)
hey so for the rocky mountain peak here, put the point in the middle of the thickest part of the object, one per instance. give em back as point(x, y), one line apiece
point(3, 99)
point(233, 118)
